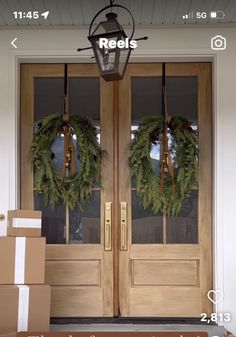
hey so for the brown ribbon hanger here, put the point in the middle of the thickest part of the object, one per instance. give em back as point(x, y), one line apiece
point(69, 148)
point(167, 166)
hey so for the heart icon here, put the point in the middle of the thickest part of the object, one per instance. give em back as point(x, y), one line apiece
point(215, 296)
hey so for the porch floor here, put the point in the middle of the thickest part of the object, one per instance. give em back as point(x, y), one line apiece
point(212, 330)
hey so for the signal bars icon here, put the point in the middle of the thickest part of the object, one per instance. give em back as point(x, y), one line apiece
point(188, 16)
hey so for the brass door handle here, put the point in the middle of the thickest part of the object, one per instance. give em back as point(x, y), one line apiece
point(2, 217)
point(108, 226)
point(123, 226)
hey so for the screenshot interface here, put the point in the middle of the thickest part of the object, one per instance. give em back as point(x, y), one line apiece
point(117, 174)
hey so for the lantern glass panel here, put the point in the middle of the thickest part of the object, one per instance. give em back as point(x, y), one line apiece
point(109, 26)
point(106, 27)
point(106, 56)
point(123, 60)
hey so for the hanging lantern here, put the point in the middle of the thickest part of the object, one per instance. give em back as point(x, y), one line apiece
point(110, 44)
point(111, 59)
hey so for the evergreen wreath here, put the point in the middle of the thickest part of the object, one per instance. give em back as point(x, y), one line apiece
point(76, 189)
point(184, 152)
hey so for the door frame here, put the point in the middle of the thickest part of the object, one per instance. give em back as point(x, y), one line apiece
point(16, 57)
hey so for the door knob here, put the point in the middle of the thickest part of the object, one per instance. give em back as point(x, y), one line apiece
point(2, 217)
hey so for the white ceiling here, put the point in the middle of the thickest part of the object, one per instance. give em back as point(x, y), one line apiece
point(77, 13)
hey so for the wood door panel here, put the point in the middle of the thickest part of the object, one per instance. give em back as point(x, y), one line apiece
point(166, 279)
point(165, 272)
point(74, 273)
point(170, 251)
point(74, 252)
point(78, 301)
point(165, 302)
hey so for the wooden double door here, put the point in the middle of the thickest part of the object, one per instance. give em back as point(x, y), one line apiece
point(115, 258)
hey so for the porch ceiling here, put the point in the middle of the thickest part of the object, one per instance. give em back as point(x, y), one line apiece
point(78, 13)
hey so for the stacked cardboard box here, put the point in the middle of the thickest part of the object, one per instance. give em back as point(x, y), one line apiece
point(24, 223)
point(24, 298)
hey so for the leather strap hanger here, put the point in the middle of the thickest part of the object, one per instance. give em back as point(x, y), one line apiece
point(69, 147)
point(167, 166)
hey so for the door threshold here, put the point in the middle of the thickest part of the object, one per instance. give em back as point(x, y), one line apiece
point(127, 320)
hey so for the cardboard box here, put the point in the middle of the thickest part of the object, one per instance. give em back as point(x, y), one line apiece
point(24, 308)
point(8, 334)
point(22, 260)
point(24, 223)
point(23, 232)
point(8, 308)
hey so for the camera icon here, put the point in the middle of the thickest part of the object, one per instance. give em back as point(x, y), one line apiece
point(218, 42)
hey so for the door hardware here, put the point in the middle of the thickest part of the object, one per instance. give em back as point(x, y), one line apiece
point(108, 226)
point(123, 226)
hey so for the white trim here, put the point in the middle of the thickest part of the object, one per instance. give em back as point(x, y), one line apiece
point(23, 309)
point(218, 232)
point(19, 275)
point(3, 229)
point(14, 106)
point(26, 223)
point(143, 55)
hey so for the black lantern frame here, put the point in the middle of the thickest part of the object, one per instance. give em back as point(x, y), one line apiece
point(111, 61)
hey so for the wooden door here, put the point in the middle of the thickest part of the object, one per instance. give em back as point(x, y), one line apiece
point(166, 269)
point(78, 267)
point(158, 266)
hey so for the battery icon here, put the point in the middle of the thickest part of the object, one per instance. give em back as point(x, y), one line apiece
point(217, 15)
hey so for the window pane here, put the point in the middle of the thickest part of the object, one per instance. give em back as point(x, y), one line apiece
point(85, 97)
point(146, 226)
point(53, 221)
point(84, 100)
point(184, 227)
point(146, 97)
point(182, 100)
point(48, 96)
point(146, 100)
point(85, 226)
point(182, 97)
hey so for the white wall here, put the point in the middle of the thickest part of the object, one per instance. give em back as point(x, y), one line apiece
point(193, 44)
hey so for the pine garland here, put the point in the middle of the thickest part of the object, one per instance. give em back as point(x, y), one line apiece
point(74, 190)
point(184, 151)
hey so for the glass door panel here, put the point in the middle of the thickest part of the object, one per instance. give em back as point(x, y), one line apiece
point(84, 100)
point(146, 100)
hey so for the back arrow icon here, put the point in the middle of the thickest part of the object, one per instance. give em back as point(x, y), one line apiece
point(13, 42)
